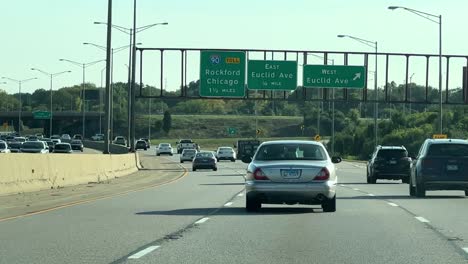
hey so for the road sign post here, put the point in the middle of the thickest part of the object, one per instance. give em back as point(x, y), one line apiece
point(222, 74)
point(272, 75)
point(334, 76)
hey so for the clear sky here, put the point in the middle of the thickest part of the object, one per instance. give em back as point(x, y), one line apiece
point(37, 33)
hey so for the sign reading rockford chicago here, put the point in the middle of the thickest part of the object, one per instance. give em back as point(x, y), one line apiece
point(222, 73)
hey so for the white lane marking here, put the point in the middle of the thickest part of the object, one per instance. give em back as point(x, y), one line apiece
point(228, 204)
point(421, 219)
point(342, 185)
point(143, 252)
point(370, 194)
point(356, 189)
point(201, 221)
point(240, 194)
point(465, 249)
point(393, 204)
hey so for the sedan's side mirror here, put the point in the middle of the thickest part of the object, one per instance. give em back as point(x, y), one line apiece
point(246, 159)
point(336, 159)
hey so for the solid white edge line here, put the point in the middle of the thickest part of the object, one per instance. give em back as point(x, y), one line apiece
point(465, 249)
point(143, 252)
point(356, 189)
point(201, 221)
point(370, 194)
point(240, 194)
point(421, 219)
point(228, 204)
point(393, 204)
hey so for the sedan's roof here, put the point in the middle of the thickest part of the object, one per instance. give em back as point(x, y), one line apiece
point(283, 142)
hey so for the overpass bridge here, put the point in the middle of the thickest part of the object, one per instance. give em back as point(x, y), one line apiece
point(92, 120)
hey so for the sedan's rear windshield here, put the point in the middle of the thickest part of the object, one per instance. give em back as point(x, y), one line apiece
point(205, 155)
point(452, 150)
point(62, 146)
point(189, 151)
point(164, 145)
point(225, 149)
point(33, 145)
point(291, 152)
point(392, 153)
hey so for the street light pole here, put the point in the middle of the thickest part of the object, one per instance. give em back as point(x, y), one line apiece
point(83, 66)
point(432, 18)
point(51, 75)
point(131, 73)
point(372, 44)
point(19, 82)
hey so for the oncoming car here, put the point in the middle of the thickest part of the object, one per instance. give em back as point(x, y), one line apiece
point(291, 172)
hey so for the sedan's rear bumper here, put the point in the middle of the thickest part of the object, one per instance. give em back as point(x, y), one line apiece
point(303, 193)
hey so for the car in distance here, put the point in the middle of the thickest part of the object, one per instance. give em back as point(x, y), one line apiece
point(225, 153)
point(291, 172)
point(187, 155)
point(204, 160)
point(441, 164)
point(164, 148)
point(120, 140)
point(141, 144)
point(4, 147)
point(49, 143)
point(20, 139)
point(63, 148)
point(65, 138)
point(32, 138)
point(15, 146)
point(77, 144)
point(34, 147)
point(78, 137)
point(98, 137)
point(56, 141)
point(390, 163)
point(148, 144)
point(55, 137)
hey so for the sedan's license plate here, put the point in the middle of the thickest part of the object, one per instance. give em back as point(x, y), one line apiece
point(291, 174)
point(452, 167)
point(393, 162)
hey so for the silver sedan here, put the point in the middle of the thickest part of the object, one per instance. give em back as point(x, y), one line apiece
point(291, 172)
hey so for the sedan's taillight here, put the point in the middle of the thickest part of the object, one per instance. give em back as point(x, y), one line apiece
point(323, 175)
point(259, 175)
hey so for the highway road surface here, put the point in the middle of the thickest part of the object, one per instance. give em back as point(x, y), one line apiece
point(200, 218)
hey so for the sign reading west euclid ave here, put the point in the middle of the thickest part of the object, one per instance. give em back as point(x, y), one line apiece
point(222, 73)
point(334, 76)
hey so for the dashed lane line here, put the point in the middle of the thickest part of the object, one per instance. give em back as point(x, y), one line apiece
point(228, 204)
point(393, 204)
point(201, 221)
point(143, 252)
point(421, 219)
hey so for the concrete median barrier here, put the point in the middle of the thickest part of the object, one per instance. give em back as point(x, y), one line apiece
point(23, 172)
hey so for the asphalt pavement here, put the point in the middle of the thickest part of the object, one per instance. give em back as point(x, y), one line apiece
point(200, 218)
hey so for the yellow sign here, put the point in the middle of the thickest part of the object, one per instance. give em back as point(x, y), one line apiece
point(439, 136)
point(317, 138)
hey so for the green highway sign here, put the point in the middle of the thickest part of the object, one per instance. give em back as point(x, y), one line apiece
point(232, 131)
point(272, 75)
point(334, 76)
point(41, 115)
point(222, 73)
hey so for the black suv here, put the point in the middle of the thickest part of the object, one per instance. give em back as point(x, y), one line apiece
point(441, 164)
point(389, 162)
